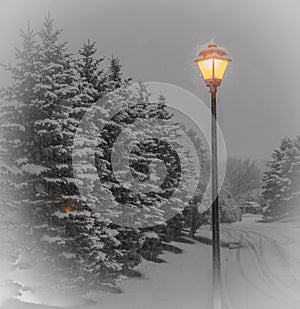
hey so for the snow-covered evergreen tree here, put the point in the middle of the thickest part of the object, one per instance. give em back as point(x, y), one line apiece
point(38, 128)
point(19, 165)
point(294, 176)
point(92, 76)
point(281, 180)
point(272, 184)
point(147, 159)
point(80, 233)
point(41, 112)
point(113, 75)
point(22, 164)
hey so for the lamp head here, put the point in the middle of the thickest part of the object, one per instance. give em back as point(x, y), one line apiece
point(212, 62)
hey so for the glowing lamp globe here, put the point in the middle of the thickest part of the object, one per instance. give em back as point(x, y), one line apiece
point(212, 62)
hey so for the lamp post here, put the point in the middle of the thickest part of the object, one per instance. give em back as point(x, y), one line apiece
point(212, 62)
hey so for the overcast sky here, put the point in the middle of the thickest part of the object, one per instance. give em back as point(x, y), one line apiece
point(156, 40)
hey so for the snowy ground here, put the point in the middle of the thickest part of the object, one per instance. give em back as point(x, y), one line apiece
point(183, 282)
point(264, 272)
point(261, 271)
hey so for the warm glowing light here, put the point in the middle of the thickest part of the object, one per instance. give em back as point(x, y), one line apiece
point(68, 207)
point(205, 67)
point(219, 68)
point(212, 68)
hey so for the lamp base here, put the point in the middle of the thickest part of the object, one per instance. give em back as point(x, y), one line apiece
point(213, 84)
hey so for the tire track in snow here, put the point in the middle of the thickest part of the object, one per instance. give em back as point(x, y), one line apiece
point(283, 259)
point(260, 267)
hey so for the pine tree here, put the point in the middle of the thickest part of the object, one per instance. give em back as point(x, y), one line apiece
point(19, 162)
point(151, 151)
point(291, 170)
point(114, 73)
point(80, 233)
point(144, 152)
point(95, 83)
point(113, 76)
point(20, 169)
point(272, 185)
point(21, 154)
point(281, 180)
point(39, 126)
point(92, 77)
point(294, 174)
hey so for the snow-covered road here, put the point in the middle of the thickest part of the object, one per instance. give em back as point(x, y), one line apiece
point(263, 272)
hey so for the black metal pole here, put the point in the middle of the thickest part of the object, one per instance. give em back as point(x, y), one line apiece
point(217, 294)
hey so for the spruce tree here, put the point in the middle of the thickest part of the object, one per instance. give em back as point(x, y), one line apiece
point(291, 185)
point(150, 151)
point(281, 181)
point(39, 126)
point(18, 168)
point(272, 185)
point(113, 75)
point(18, 154)
point(79, 232)
point(92, 76)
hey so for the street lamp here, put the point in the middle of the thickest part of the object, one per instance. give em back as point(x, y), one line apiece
point(212, 62)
